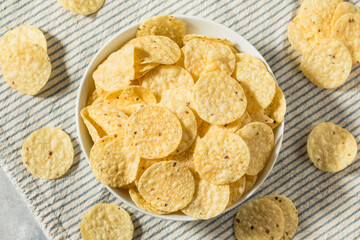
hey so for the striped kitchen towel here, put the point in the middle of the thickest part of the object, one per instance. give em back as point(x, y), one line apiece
point(328, 204)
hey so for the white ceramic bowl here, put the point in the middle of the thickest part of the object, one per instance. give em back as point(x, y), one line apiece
point(194, 25)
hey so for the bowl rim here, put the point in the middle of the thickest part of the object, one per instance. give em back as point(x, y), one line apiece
point(257, 184)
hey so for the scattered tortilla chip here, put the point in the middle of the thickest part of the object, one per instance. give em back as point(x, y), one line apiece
point(259, 219)
point(330, 147)
point(289, 212)
point(107, 220)
point(326, 63)
point(47, 153)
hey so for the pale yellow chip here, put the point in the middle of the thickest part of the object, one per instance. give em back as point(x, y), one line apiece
point(47, 153)
point(112, 162)
point(26, 67)
point(326, 63)
point(154, 132)
point(176, 98)
point(167, 186)
point(236, 190)
point(317, 15)
point(261, 117)
point(258, 84)
point(259, 138)
point(141, 70)
point(143, 165)
point(259, 219)
point(23, 33)
point(117, 71)
point(277, 108)
point(330, 147)
point(245, 57)
point(82, 7)
point(209, 200)
point(249, 182)
point(187, 157)
point(130, 99)
point(218, 98)
point(106, 221)
point(203, 56)
point(164, 25)
point(155, 49)
point(221, 157)
point(289, 212)
point(342, 9)
point(108, 117)
point(163, 78)
point(141, 203)
point(347, 31)
point(95, 131)
point(299, 36)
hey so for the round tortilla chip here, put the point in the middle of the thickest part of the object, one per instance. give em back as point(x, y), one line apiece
point(82, 7)
point(347, 31)
point(26, 67)
point(165, 25)
point(47, 153)
point(326, 63)
point(258, 84)
point(153, 132)
point(209, 200)
point(95, 131)
point(330, 147)
point(23, 33)
point(289, 212)
point(342, 9)
point(166, 77)
point(167, 185)
point(221, 157)
point(112, 162)
point(259, 219)
point(218, 98)
point(299, 36)
point(107, 220)
point(259, 138)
